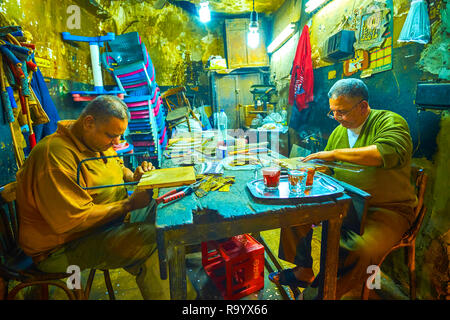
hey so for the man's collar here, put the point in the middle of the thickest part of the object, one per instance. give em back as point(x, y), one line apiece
point(64, 128)
point(358, 130)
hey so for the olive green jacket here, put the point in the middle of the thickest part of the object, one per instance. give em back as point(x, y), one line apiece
point(389, 184)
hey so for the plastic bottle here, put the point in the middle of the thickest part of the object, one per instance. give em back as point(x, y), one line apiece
point(222, 124)
point(222, 120)
point(284, 116)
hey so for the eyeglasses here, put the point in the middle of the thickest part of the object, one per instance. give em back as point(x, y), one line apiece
point(334, 114)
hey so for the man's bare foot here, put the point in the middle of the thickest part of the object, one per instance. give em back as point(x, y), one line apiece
point(304, 274)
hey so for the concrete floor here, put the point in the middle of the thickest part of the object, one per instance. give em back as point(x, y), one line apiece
point(125, 286)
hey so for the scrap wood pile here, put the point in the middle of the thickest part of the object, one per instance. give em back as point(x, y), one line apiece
point(213, 183)
point(16, 72)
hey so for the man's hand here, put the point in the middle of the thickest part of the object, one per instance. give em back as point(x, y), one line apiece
point(323, 155)
point(144, 167)
point(139, 199)
point(363, 156)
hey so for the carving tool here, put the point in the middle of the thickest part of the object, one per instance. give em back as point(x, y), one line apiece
point(172, 192)
point(178, 193)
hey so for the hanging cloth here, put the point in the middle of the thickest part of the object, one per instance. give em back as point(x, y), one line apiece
point(417, 24)
point(302, 77)
point(43, 95)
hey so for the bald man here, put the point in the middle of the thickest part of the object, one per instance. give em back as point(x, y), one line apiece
point(63, 224)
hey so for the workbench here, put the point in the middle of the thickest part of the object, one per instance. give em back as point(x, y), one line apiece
point(218, 215)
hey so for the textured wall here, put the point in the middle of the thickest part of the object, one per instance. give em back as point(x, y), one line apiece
point(42, 22)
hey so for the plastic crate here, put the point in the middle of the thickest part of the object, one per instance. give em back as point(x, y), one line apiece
point(236, 265)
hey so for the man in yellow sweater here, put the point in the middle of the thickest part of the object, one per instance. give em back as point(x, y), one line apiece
point(380, 141)
point(63, 224)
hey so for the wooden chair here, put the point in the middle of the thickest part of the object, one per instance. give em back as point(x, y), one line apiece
point(108, 283)
point(178, 107)
point(15, 265)
point(409, 238)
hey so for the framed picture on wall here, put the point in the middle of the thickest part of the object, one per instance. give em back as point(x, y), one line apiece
point(373, 40)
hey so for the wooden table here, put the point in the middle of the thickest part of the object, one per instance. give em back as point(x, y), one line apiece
point(218, 215)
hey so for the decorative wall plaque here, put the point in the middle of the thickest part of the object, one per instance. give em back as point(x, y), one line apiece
point(373, 24)
point(374, 37)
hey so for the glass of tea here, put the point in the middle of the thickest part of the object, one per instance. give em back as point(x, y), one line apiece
point(310, 172)
point(297, 179)
point(271, 175)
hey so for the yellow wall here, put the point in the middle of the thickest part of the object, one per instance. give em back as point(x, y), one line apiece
point(42, 23)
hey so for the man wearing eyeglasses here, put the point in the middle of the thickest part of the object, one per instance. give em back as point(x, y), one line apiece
point(379, 141)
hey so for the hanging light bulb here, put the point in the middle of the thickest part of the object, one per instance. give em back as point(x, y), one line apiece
point(253, 38)
point(253, 34)
point(204, 13)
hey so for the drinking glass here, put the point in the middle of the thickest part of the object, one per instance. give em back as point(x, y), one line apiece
point(297, 179)
point(310, 171)
point(271, 175)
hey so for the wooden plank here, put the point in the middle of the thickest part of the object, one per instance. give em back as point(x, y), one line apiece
point(329, 257)
point(167, 177)
point(177, 270)
point(162, 253)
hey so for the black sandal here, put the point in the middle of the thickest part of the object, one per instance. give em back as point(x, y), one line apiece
point(287, 277)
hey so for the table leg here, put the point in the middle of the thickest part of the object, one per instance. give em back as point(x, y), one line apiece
point(177, 272)
point(160, 244)
point(329, 259)
point(268, 252)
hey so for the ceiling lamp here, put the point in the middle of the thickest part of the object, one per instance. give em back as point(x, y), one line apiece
point(281, 38)
point(204, 13)
point(312, 5)
point(253, 34)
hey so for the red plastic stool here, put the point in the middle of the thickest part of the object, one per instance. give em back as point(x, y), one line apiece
point(236, 266)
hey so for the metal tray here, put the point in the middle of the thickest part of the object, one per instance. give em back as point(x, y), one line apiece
point(322, 188)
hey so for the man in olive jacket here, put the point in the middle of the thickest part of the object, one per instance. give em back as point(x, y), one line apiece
point(378, 140)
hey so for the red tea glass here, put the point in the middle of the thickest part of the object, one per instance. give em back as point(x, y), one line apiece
point(271, 177)
point(310, 177)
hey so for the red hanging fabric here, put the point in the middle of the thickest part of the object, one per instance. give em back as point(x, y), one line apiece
point(302, 77)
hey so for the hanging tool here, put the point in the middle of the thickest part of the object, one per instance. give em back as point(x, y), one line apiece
point(24, 86)
point(24, 94)
point(16, 31)
point(6, 102)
